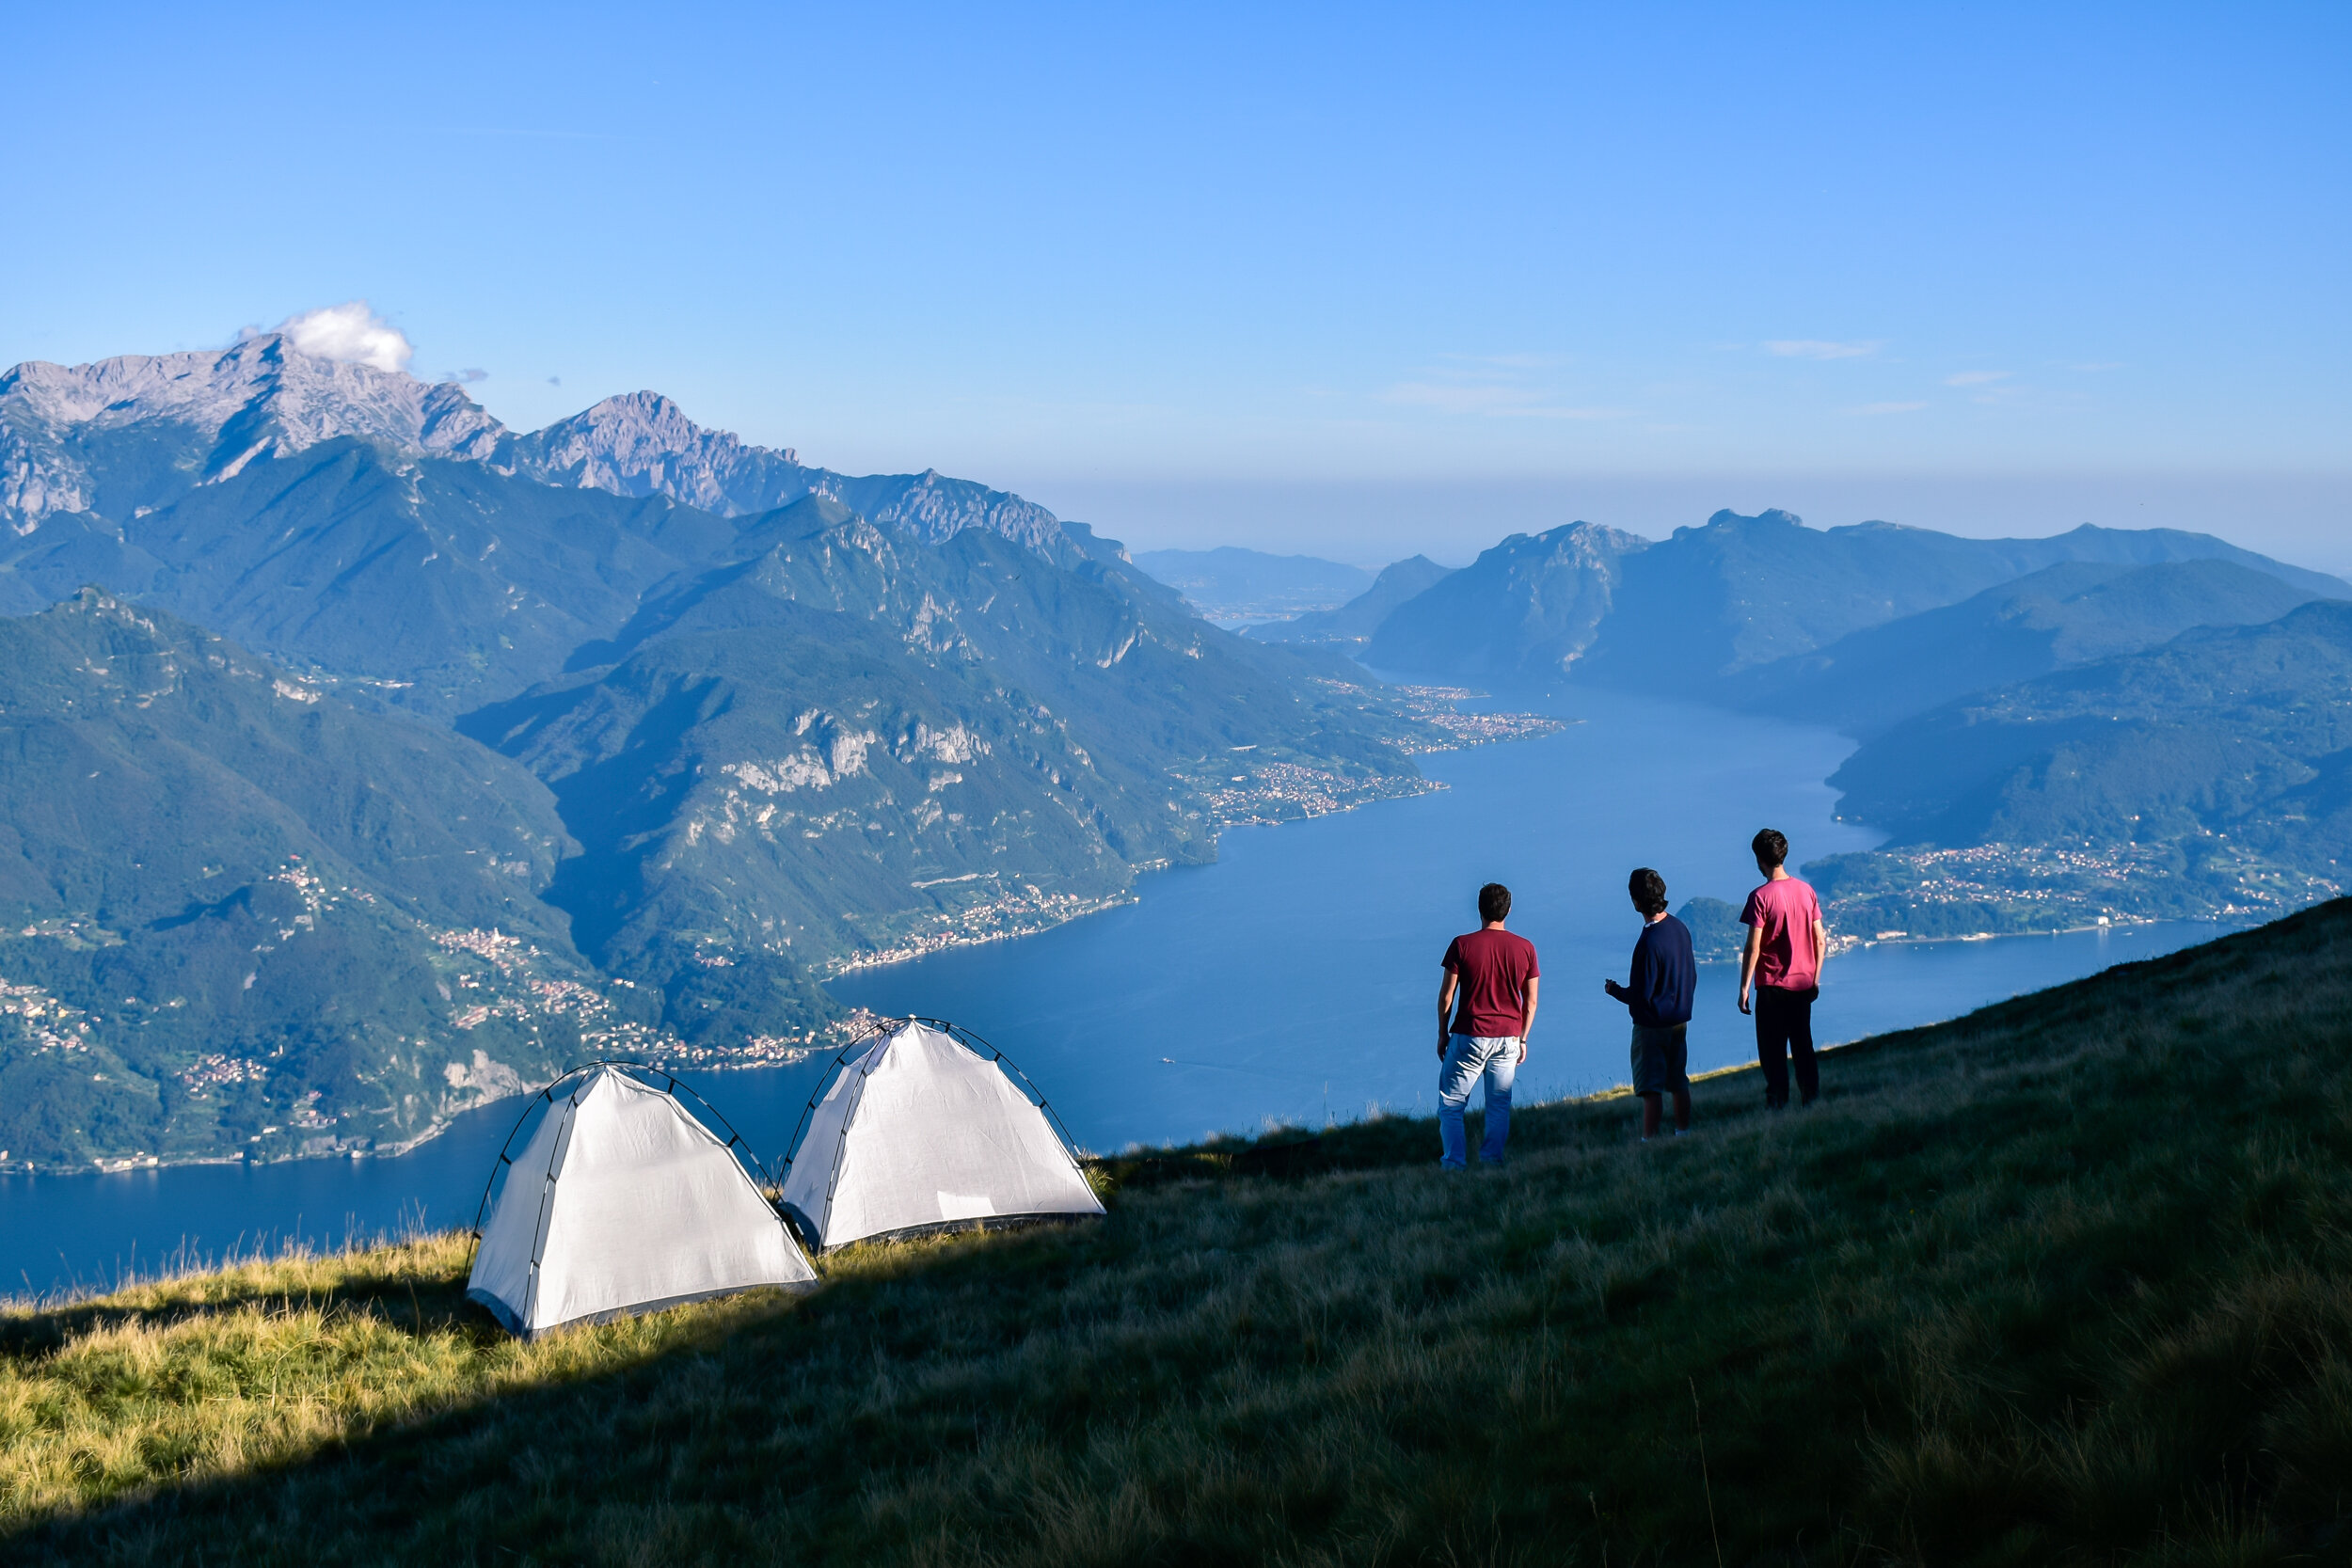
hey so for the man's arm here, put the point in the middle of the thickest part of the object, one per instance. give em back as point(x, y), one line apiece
point(1749, 957)
point(1445, 1006)
point(1820, 950)
point(1527, 1018)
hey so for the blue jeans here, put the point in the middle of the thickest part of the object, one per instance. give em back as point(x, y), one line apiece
point(1471, 1058)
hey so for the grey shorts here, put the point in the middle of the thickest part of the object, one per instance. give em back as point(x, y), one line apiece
point(1662, 1058)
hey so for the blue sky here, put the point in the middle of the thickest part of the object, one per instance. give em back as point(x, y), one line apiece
point(1350, 279)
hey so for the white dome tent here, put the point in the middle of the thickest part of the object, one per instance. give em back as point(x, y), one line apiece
point(622, 1201)
point(915, 1129)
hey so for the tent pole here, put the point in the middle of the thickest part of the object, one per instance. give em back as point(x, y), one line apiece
point(959, 1032)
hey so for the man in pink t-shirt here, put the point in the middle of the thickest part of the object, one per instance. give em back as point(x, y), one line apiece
point(1786, 945)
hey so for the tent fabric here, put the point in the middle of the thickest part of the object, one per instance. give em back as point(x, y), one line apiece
point(918, 1132)
point(623, 1202)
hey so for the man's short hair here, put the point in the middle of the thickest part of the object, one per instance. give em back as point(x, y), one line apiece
point(1494, 902)
point(1772, 849)
point(1649, 891)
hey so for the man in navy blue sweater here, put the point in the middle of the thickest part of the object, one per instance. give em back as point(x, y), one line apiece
point(1659, 996)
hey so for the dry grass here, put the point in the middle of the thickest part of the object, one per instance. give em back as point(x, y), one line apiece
point(2067, 1280)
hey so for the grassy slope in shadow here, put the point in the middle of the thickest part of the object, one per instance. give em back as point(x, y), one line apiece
point(2070, 1278)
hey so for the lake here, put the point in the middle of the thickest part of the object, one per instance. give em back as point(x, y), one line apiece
point(1292, 982)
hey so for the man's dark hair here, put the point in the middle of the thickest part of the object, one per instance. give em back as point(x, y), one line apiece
point(1772, 849)
point(1649, 891)
point(1494, 902)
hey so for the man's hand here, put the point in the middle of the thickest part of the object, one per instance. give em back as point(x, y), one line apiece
point(1522, 1048)
point(1441, 1044)
point(1751, 959)
point(1616, 991)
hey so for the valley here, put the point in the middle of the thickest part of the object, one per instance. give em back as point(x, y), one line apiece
point(619, 736)
point(2100, 727)
point(626, 735)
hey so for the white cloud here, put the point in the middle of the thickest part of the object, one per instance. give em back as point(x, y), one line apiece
point(1976, 378)
point(1887, 408)
point(1816, 348)
point(352, 333)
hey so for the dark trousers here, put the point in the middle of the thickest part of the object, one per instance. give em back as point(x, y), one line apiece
point(1784, 1027)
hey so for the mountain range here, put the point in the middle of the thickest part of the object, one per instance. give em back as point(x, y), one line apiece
point(120, 437)
point(478, 749)
point(1688, 614)
point(2073, 613)
point(365, 759)
point(2104, 724)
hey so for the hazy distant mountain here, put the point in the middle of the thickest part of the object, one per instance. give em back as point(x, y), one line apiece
point(1353, 623)
point(1682, 615)
point(237, 913)
point(1743, 592)
point(1524, 611)
point(1228, 583)
point(2245, 731)
point(2066, 615)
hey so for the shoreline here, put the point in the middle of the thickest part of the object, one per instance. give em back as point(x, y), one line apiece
point(735, 1061)
point(2128, 922)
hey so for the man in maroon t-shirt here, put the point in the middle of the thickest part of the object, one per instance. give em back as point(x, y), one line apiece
point(1486, 1007)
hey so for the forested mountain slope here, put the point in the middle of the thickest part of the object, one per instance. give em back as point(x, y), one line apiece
point(2061, 615)
point(2210, 775)
point(238, 913)
point(971, 740)
point(777, 721)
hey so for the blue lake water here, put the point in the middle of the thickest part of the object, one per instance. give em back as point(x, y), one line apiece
point(1292, 982)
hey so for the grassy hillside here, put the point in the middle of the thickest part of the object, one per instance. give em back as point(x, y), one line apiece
point(2067, 1280)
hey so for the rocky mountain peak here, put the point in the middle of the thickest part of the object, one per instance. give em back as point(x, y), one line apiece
point(69, 434)
point(263, 381)
point(642, 443)
point(261, 398)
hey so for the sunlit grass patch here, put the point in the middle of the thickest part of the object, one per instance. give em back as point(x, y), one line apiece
point(216, 1374)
